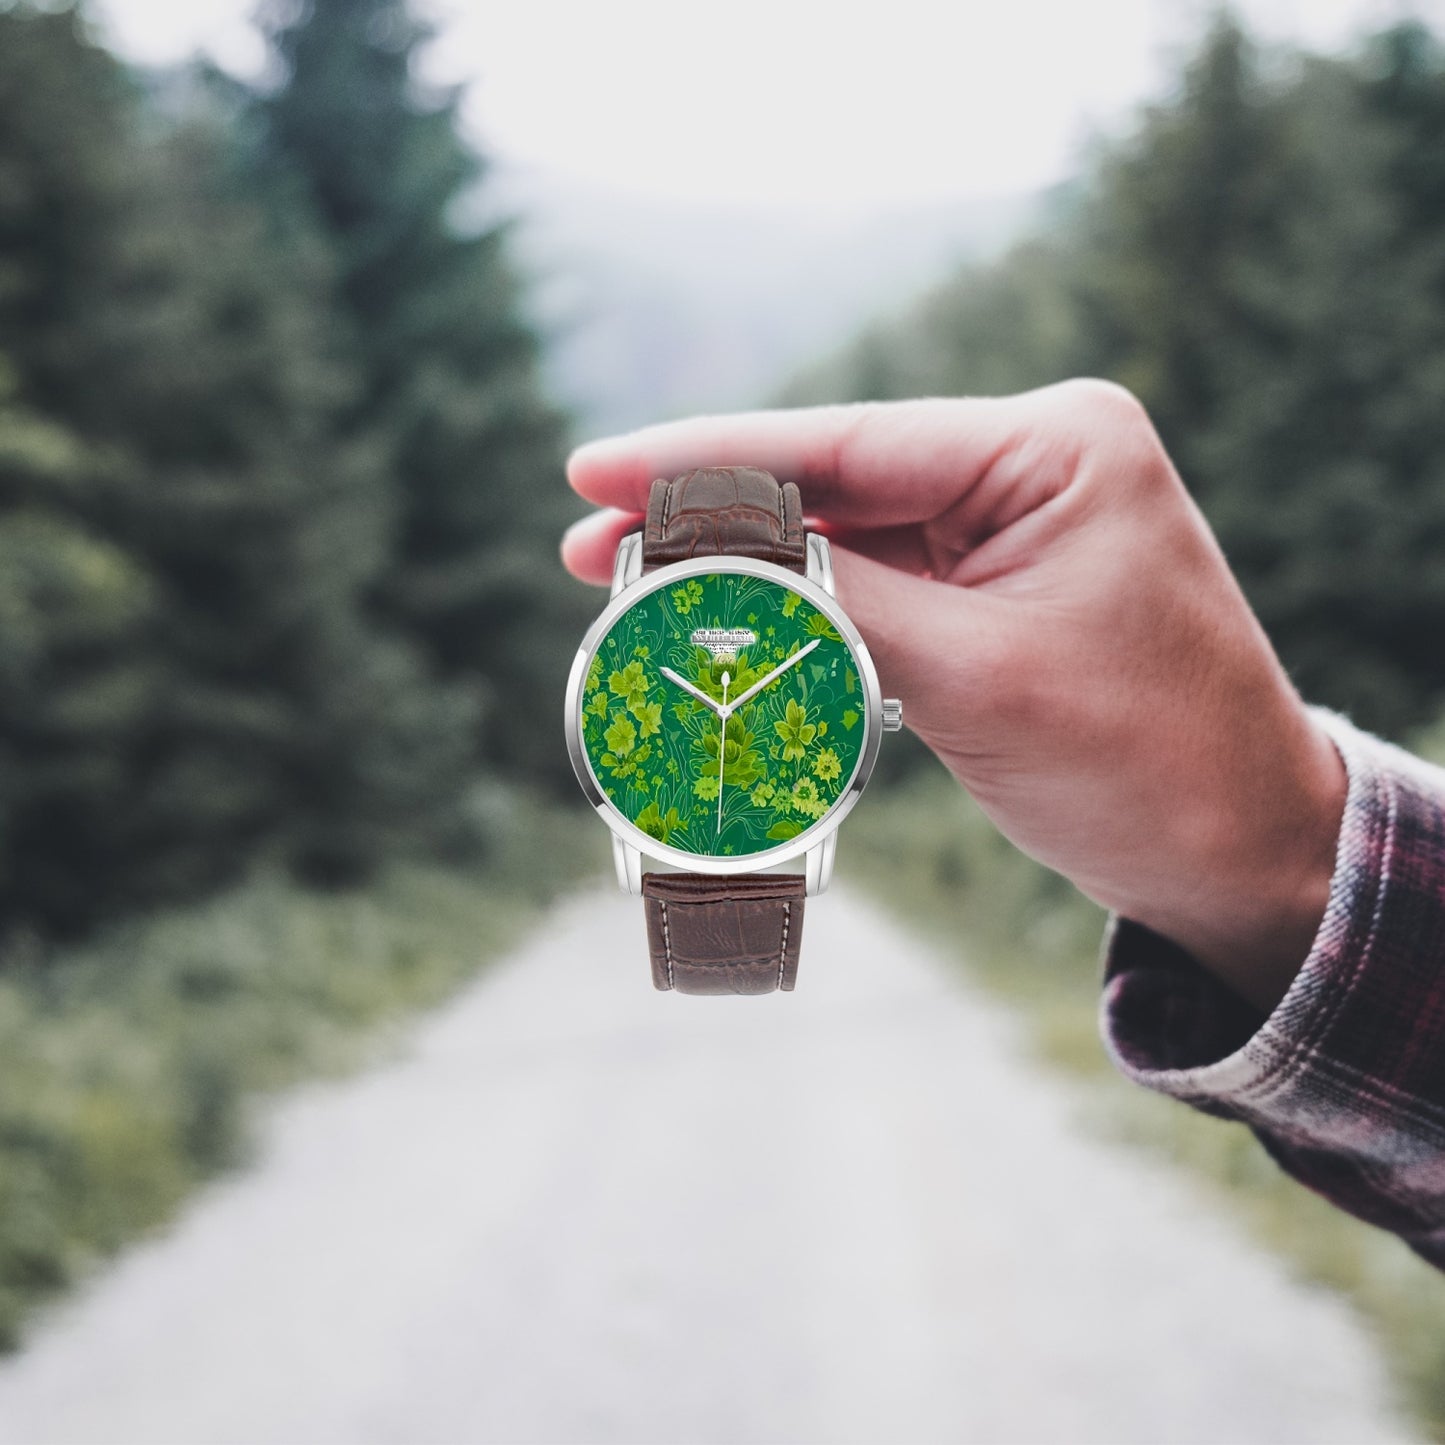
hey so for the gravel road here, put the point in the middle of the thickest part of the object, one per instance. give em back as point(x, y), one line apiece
point(577, 1211)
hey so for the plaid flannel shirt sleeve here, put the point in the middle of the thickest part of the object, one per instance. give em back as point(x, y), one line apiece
point(1344, 1082)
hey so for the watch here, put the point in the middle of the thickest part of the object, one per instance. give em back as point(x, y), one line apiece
point(723, 716)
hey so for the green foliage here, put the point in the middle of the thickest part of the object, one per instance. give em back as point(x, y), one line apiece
point(1261, 262)
point(77, 677)
point(449, 367)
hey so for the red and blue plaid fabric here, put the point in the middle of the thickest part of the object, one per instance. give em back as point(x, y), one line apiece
point(1344, 1083)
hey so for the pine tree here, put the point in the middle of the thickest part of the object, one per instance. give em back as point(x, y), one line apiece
point(77, 681)
point(1403, 84)
point(155, 309)
point(1251, 277)
point(450, 366)
point(1181, 221)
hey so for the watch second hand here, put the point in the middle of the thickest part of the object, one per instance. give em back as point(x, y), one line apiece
point(722, 748)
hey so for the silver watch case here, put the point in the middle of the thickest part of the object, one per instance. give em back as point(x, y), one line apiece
point(630, 843)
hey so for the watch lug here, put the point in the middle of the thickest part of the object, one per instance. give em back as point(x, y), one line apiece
point(820, 562)
point(627, 569)
point(628, 861)
point(818, 864)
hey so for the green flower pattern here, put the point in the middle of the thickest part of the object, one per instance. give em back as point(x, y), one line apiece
point(787, 755)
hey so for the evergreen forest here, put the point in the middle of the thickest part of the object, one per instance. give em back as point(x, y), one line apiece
point(279, 484)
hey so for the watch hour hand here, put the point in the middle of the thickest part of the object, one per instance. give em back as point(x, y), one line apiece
point(686, 686)
point(777, 672)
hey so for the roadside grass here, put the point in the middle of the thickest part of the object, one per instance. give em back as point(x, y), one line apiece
point(129, 1066)
point(925, 851)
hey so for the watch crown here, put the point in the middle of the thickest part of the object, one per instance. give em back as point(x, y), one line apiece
point(892, 715)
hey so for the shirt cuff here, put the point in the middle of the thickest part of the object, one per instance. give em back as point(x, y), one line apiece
point(1344, 1081)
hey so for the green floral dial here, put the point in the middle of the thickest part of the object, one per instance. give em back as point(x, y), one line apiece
point(664, 741)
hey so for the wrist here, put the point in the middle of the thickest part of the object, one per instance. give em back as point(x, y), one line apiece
point(1260, 869)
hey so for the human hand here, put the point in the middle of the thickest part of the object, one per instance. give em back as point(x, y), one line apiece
point(1037, 586)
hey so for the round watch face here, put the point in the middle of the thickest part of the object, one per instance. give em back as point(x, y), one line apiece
point(724, 714)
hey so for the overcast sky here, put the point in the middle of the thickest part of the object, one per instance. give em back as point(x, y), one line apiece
point(807, 104)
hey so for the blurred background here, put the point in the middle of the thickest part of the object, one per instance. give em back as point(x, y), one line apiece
point(300, 310)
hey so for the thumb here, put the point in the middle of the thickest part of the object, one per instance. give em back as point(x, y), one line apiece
point(935, 645)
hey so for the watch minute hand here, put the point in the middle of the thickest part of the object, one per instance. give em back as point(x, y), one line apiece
point(777, 672)
point(686, 686)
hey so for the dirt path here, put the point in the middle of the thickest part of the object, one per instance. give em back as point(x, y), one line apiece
point(577, 1211)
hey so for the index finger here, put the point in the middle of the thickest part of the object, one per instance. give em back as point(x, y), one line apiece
point(869, 464)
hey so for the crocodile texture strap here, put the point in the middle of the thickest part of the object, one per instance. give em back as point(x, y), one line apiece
point(724, 511)
point(737, 934)
point(724, 935)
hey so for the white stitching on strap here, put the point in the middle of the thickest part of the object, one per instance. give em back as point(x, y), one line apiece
point(783, 951)
point(667, 941)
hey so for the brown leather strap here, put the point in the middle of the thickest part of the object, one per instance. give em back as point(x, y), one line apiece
point(724, 935)
point(724, 511)
point(737, 934)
